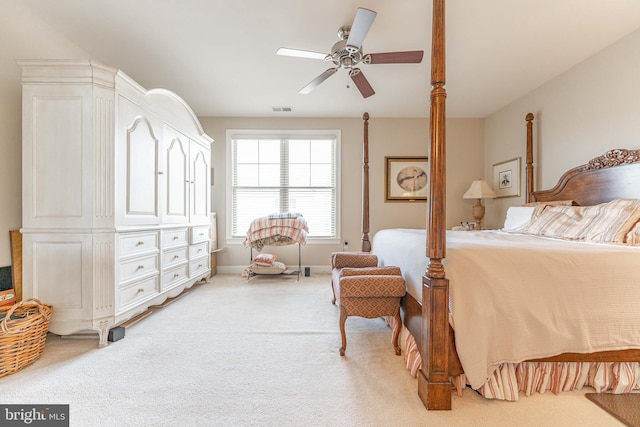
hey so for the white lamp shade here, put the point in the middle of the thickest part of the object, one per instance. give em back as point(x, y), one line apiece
point(479, 190)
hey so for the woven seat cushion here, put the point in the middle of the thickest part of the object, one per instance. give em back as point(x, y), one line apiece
point(372, 286)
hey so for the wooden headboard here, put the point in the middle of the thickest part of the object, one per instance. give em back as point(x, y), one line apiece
point(613, 175)
point(605, 178)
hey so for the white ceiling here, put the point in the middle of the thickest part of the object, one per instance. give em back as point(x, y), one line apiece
point(219, 55)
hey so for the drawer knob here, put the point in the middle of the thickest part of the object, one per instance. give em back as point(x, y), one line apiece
point(140, 243)
point(140, 290)
point(175, 237)
point(202, 234)
point(176, 275)
point(176, 257)
point(140, 267)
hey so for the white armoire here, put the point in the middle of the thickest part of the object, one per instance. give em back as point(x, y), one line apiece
point(115, 195)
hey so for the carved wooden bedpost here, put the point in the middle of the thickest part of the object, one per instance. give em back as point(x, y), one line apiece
point(529, 169)
point(365, 243)
point(434, 386)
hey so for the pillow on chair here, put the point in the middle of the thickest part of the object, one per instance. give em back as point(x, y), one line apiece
point(353, 259)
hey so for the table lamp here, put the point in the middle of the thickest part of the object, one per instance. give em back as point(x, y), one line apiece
point(479, 190)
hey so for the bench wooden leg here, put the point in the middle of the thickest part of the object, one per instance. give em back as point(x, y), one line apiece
point(333, 289)
point(396, 333)
point(343, 319)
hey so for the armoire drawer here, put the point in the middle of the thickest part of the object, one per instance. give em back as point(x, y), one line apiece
point(174, 276)
point(198, 250)
point(138, 267)
point(198, 266)
point(136, 291)
point(199, 234)
point(132, 244)
point(174, 237)
point(174, 257)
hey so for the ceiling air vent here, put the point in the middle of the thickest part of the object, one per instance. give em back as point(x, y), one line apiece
point(282, 109)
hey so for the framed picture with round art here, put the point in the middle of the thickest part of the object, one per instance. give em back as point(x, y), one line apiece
point(406, 179)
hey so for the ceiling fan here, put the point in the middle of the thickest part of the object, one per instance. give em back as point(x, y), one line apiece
point(347, 53)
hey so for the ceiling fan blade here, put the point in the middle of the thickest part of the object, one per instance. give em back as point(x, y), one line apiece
point(316, 82)
point(360, 27)
point(361, 82)
point(409, 57)
point(285, 51)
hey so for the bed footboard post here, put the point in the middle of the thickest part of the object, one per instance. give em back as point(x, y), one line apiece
point(434, 385)
point(529, 168)
point(365, 244)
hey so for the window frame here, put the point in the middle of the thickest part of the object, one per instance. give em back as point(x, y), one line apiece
point(232, 134)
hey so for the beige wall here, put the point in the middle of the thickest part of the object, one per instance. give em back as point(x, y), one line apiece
point(387, 137)
point(32, 39)
point(580, 114)
point(592, 108)
point(23, 37)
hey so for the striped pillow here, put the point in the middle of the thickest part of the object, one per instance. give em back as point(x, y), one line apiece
point(604, 223)
point(551, 203)
point(614, 222)
point(541, 206)
point(633, 237)
point(563, 222)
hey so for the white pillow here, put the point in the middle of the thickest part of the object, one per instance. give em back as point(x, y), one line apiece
point(276, 268)
point(518, 217)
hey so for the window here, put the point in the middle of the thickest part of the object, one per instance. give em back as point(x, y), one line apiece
point(277, 172)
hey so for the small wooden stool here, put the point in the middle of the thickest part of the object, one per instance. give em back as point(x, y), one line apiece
point(361, 288)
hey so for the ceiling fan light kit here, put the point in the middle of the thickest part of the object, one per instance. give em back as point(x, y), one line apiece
point(347, 53)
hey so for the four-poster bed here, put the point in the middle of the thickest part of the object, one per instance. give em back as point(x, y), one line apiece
point(427, 315)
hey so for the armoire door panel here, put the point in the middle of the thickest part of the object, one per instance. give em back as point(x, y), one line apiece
point(142, 172)
point(176, 173)
point(139, 136)
point(200, 183)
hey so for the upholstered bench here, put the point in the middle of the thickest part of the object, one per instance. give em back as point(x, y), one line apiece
point(361, 288)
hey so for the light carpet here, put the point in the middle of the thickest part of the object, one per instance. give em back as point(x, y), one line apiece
point(259, 353)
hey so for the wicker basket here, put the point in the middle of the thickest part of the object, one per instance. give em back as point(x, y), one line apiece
point(23, 334)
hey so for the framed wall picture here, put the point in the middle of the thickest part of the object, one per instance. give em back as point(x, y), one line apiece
point(506, 178)
point(406, 179)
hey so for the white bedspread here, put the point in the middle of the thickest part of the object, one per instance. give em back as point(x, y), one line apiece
point(405, 248)
point(518, 297)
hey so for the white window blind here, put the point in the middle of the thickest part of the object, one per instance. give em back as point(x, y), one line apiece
point(284, 173)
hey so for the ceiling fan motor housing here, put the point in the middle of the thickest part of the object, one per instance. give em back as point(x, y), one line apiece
point(345, 56)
